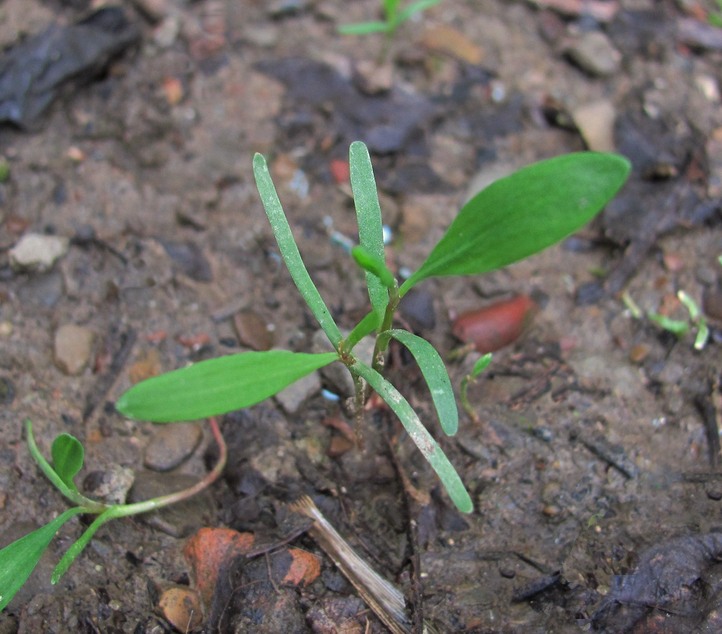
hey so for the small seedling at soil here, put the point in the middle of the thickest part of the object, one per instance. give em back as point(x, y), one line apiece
point(394, 17)
point(481, 364)
point(511, 219)
point(18, 559)
point(682, 327)
point(715, 17)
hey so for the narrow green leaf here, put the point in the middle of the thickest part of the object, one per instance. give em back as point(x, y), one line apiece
point(78, 545)
point(368, 218)
point(524, 213)
point(371, 264)
point(481, 364)
point(218, 386)
point(68, 456)
point(289, 250)
point(391, 8)
point(363, 28)
point(18, 560)
point(414, 8)
point(436, 376)
point(419, 434)
point(675, 326)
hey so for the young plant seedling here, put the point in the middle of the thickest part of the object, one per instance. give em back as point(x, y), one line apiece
point(682, 327)
point(481, 364)
point(715, 17)
point(18, 559)
point(394, 17)
point(511, 219)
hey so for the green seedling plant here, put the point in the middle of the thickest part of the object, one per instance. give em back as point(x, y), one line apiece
point(682, 327)
point(394, 17)
point(511, 219)
point(480, 365)
point(18, 559)
point(715, 17)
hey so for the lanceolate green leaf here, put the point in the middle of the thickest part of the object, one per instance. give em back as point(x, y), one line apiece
point(524, 213)
point(289, 250)
point(368, 218)
point(218, 386)
point(419, 434)
point(68, 455)
point(18, 559)
point(436, 376)
point(363, 28)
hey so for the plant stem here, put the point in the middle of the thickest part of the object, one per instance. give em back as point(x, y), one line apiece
point(382, 339)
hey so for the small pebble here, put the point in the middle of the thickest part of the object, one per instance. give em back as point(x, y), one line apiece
point(594, 53)
point(111, 485)
point(372, 78)
point(37, 252)
point(171, 446)
point(595, 122)
point(417, 307)
point(282, 8)
point(639, 353)
point(296, 394)
point(181, 607)
point(72, 348)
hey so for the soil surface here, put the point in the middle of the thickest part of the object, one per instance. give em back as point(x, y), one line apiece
point(594, 464)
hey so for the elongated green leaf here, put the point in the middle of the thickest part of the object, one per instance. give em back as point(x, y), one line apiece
point(419, 434)
point(391, 9)
point(368, 218)
point(17, 560)
point(363, 28)
point(524, 213)
point(68, 456)
point(414, 8)
point(436, 376)
point(78, 545)
point(289, 250)
point(218, 386)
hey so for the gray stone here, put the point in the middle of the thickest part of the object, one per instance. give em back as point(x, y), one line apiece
point(172, 445)
point(595, 54)
point(37, 252)
point(110, 485)
point(296, 394)
point(73, 346)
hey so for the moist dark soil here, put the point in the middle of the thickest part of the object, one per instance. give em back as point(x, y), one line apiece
point(594, 463)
